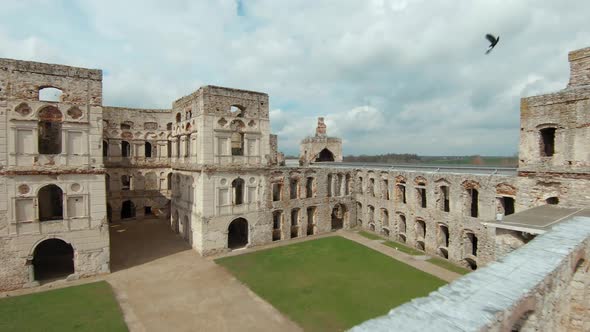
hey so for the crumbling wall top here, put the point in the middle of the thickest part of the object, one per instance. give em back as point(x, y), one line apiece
point(50, 69)
point(579, 67)
point(115, 109)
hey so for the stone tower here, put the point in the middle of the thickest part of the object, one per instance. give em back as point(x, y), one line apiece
point(320, 147)
point(554, 155)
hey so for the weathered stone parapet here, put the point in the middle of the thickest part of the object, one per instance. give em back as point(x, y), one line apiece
point(51, 69)
point(579, 67)
point(542, 286)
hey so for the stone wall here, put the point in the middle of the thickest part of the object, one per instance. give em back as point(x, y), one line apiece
point(51, 157)
point(543, 286)
point(379, 199)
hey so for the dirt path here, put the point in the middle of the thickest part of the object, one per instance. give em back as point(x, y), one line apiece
point(164, 285)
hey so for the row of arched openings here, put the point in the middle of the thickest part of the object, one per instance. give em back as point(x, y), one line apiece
point(149, 151)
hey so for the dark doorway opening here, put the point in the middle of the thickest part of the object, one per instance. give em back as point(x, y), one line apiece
point(507, 205)
point(338, 213)
point(237, 236)
point(325, 155)
point(127, 210)
point(552, 200)
point(547, 142)
point(53, 259)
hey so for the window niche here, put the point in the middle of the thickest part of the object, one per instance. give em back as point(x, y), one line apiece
point(547, 142)
point(49, 127)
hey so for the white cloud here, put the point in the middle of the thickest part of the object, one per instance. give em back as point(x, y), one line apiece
point(417, 68)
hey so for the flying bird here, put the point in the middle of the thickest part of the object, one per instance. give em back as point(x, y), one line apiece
point(493, 41)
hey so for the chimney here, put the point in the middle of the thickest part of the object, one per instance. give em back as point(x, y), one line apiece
point(320, 131)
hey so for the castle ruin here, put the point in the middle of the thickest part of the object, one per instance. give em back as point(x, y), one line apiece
point(209, 167)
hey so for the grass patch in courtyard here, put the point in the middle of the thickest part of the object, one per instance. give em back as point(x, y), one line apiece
point(404, 248)
point(448, 265)
point(90, 307)
point(330, 284)
point(393, 244)
point(370, 235)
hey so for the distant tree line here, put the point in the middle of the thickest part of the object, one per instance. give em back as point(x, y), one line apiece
point(407, 158)
point(389, 158)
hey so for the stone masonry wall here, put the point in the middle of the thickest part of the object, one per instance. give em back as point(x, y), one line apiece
point(73, 166)
point(543, 286)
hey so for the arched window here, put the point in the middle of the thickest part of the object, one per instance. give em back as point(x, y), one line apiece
point(443, 236)
point(473, 202)
point(49, 127)
point(402, 224)
point(237, 144)
point(169, 126)
point(105, 148)
point(420, 229)
point(125, 182)
point(277, 218)
point(237, 111)
point(178, 117)
point(238, 191)
point(125, 149)
point(50, 94)
point(339, 214)
point(148, 150)
point(470, 243)
point(443, 201)
point(50, 200)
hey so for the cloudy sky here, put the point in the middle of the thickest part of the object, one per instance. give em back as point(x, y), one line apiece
point(403, 76)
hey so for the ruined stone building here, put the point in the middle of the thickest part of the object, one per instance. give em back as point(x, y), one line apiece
point(209, 166)
point(320, 147)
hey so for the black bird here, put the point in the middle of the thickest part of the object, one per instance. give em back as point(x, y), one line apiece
point(493, 41)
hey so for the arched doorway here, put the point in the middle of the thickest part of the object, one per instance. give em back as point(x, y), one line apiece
point(53, 259)
point(338, 215)
point(127, 210)
point(237, 236)
point(325, 155)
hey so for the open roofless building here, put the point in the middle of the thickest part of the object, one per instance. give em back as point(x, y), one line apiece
point(208, 166)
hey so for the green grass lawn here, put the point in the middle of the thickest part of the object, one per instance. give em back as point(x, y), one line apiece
point(393, 244)
point(370, 235)
point(404, 248)
point(448, 265)
point(329, 284)
point(90, 307)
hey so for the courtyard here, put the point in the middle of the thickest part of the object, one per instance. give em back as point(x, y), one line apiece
point(90, 307)
point(329, 284)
